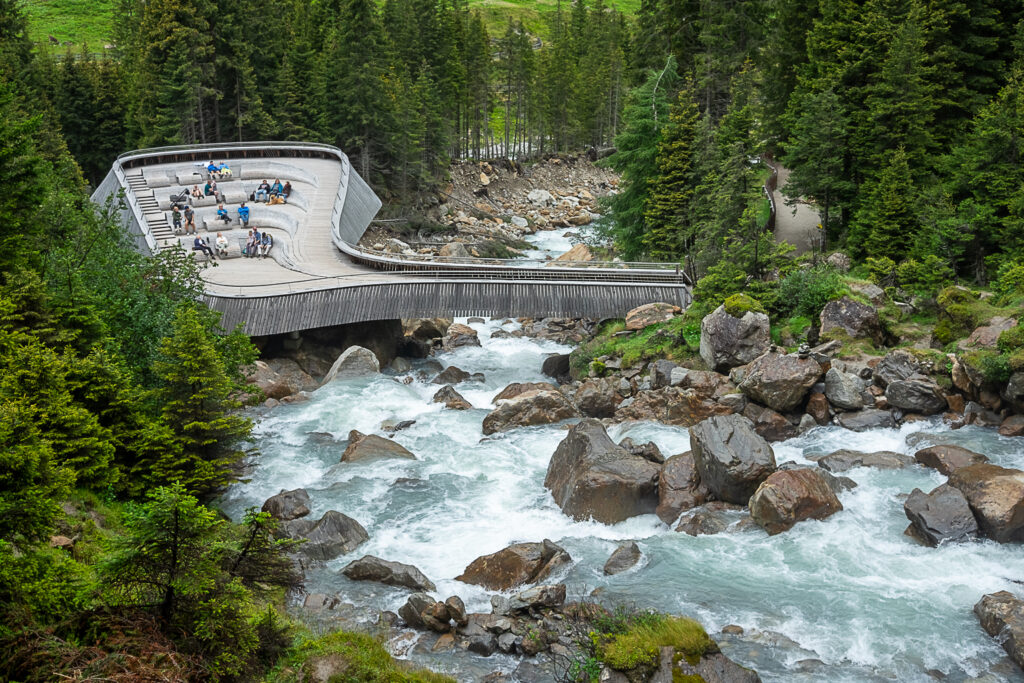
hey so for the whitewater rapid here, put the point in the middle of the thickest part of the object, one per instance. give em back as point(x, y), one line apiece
point(845, 599)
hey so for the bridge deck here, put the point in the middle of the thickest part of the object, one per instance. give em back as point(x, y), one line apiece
point(318, 276)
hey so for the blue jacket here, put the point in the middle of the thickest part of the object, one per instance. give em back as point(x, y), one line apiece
point(243, 213)
point(222, 212)
point(212, 167)
point(267, 239)
point(277, 188)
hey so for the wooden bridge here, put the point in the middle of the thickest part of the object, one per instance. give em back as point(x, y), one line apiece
point(319, 275)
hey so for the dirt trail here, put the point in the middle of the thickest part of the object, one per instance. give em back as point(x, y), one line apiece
point(796, 224)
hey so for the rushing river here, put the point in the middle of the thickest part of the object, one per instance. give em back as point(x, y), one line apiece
point(851, 592)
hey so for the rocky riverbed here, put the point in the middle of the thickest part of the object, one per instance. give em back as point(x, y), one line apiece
point(529, 210)
point(787, 537)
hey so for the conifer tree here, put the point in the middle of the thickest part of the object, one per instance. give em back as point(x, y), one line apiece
point(196, 402)
point(669, 226)
point(887, 224)
point(636, 157)
point(816, 155)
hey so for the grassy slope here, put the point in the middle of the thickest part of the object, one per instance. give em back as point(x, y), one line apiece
point(76, 21)
point(89, 21)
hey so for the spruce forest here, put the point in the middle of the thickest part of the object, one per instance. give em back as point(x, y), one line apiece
point(901, 120)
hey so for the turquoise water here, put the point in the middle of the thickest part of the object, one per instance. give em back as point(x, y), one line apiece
point(851, 592)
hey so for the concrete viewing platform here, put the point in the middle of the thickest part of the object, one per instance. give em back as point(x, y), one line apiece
point(316, 274)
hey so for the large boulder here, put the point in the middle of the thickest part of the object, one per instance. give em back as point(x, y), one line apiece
point(679, 487)
point(451, 375)
point(527, 409)
point(896, 365)
point(415, 607)
point(650, 314)
point(916, 394)
point(355, 361)
point(332, 535)
point(670, 405)
point(947, 459)
point(454, 250)
point(579, 253)
point(556, 366)
point(516, 565)
point(986, 336)
point(844, 390)
point(661, 373)
point(845, 459)
point(705, 383)
point(597, 398)
point(370, 568)
point(625, 557)
point(780, 381)
point(519, 388)
point(589, 476)
point(790, 496)
point(280, 377)
point(863, 420)
point(996, 496)
point(732, 459)
point(710, 518)
point(532, 599)
point(771, 425)
point(851, 318)
point(288, 505)
point(451, 398)
point(1002, 616)
point(459, 335)
point(939, 516)
point(727, 342)
point(426, 328)
point(366, 446)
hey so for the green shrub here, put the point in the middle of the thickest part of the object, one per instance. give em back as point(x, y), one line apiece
point(739, 305)
point(805, 291)
point(882, 270)
point(1012, 339)
point(994, 366)
point(365, 660)
point(924, 277)
point(638, 647)
point(1010, 279)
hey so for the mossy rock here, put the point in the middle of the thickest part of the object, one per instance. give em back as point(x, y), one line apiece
point(738, 305)
point(1012, 339)
point(993, 366)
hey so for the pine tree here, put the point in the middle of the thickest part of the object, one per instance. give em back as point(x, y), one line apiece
point(636, 157)
point(358, 112)
point(669, 228)
point(816, 155)
point(196, 403)
point(887, 225)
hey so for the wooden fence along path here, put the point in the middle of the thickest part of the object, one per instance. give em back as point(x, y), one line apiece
point(319, 275)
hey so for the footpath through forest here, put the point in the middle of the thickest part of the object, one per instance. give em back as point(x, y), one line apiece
point(795, 223)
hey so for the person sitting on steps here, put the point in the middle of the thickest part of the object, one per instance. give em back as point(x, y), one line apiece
point(199, 244)
point(223, 171)
point(264, 190)
point(222, 245)
point(250, 245)
point(266, 244)
point(176, 218)
point(276, 189)
point(243, 214)
point(287, 191)
point(254, 250)
point(196, 192)
point(190, 220)
point(222, 213)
